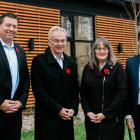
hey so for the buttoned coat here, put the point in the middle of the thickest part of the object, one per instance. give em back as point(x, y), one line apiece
point(21, 93)
point(53, 89)
point(104, 92)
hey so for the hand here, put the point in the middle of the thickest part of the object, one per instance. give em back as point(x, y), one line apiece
point(100, 116)
point(93, 117)
point(71, 112)
point(15, 105)
point(5, 105)
point(96, 118)
point(65, 114)
point(9, 106)
point(130, 124)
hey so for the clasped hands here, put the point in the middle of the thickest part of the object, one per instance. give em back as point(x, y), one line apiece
point(96, 118)
point(10, 106)
point(66, 114)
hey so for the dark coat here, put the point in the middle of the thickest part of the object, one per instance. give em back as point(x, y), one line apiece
point(132, 69)
point(6, 86)
point(133, 109)
point(104, 96)
point(53, 89)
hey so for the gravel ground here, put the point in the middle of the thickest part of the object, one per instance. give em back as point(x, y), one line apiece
point(28, 119)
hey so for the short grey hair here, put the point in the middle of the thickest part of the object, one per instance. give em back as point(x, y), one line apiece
point(111, 57)
point(54, 29)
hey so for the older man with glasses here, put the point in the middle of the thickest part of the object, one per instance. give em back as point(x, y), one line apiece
point(56, 89)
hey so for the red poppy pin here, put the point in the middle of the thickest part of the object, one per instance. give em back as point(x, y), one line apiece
point(106, 71)
point(17, 50)
point(68, 71)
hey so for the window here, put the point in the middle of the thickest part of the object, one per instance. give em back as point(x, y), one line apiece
point(80, 30)
point(83, 28)
point(66, 23)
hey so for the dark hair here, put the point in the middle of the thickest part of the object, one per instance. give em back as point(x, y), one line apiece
point(10, 15)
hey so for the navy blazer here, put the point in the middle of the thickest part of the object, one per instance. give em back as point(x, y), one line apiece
point(5, 77)
point(132, 69)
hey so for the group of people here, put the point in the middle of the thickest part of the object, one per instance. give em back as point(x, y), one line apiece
point(108, 92)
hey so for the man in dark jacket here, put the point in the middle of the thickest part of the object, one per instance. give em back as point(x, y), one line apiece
point(56, 89)
point(14, 79)
point(133, 114)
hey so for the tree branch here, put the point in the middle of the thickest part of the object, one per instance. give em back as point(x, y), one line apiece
point(138, 11)
point(126, 9)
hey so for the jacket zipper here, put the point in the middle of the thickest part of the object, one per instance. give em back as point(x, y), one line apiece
point(102, 107)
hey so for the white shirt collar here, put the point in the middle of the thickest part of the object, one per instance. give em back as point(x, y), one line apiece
point(59, 60)
point(61, 57)
point(4, 44)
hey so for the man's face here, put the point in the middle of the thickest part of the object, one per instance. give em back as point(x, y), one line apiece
point(8, 29)
point(57, 42)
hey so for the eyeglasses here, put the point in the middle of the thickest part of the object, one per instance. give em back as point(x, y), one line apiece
point(101, 49)
point(57, 41)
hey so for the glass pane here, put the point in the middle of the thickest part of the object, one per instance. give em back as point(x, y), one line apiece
point(67, 49)
point(138, 27)
point(83, 28)
point(138, 23)
point(83, 53)
point(66, 23)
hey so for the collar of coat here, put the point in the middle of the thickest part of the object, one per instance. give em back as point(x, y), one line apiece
point(99, 72)
point(50, 58)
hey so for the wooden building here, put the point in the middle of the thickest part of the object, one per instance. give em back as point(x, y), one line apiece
point(83, 21)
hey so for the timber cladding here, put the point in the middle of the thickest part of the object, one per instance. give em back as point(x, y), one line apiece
point(34, 22)
point(118, 30)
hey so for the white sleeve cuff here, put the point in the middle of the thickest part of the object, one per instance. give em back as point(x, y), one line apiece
point(128, 116)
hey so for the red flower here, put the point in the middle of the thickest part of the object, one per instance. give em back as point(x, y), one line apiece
point(17, 50)
point(106, 71)
point(67, 71)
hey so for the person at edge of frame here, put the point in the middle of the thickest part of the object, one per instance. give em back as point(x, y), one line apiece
point(14, 79)
point(133, 96)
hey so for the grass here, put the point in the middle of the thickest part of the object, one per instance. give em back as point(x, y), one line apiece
point(127, 136)
point(27, 135)
point(79, 133)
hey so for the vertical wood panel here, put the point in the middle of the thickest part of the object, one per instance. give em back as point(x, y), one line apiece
point(34, 22)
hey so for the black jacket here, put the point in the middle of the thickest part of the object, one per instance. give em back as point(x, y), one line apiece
point(11, 123)
point(53, 89)
point(6, 81)
point(104, 92)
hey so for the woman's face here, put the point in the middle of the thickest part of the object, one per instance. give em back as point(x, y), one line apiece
point(101, 53)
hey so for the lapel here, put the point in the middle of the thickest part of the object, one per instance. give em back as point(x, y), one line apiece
point(3, 56)
point(136, 71)
point(50, 59)
point(66, 63)
point(19, 54)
